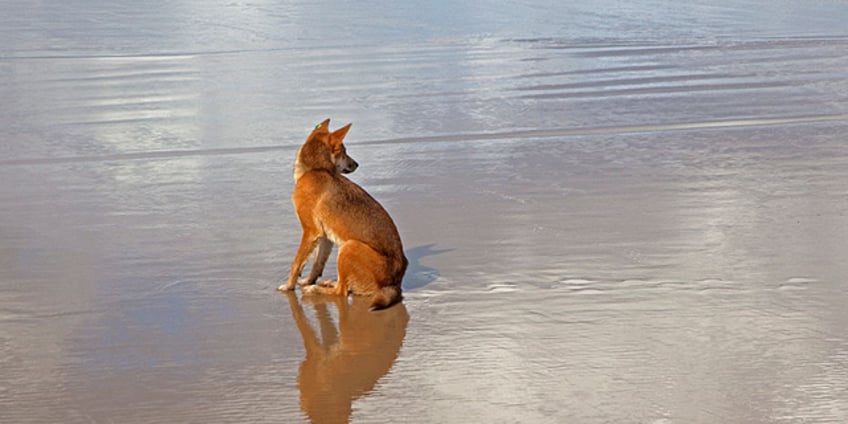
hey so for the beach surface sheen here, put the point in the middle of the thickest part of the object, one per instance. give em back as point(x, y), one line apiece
point(614, 211)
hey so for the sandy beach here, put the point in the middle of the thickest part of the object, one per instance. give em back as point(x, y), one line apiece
point(614, 212)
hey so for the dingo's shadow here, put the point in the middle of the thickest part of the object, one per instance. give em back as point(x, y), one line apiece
point(418, 275)
point(347, 360)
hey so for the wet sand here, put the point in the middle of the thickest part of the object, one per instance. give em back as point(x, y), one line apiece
point(630, 216)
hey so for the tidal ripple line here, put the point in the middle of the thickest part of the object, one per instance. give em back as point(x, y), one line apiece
point(524, 134)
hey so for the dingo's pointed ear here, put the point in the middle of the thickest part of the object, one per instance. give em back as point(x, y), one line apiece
point(323, 127)
point(339, 134)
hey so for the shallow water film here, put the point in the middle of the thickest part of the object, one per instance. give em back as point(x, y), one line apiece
point(614, 211)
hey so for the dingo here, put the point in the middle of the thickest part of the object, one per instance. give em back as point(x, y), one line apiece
point(333, 209)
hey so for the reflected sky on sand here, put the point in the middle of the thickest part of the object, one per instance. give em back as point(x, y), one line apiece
point(614, 211)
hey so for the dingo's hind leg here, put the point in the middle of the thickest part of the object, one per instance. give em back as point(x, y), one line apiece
point(361, 268)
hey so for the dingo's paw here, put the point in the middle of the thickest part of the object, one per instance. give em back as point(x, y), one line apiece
point(303, 282)
point(327, 283)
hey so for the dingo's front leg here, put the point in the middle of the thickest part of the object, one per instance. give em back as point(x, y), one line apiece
point(325, 246)
point(307, 246)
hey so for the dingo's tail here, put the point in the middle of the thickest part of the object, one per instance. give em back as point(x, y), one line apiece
point(385, 297)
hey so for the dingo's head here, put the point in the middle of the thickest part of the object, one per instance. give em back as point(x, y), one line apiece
point(324, 150)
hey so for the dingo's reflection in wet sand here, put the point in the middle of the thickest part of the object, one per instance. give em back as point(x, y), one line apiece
point(344, 363)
